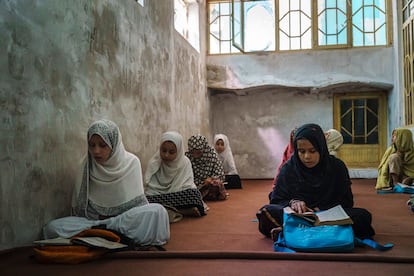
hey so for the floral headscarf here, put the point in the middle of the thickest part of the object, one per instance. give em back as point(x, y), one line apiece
point(208, 165)
point(114, 186)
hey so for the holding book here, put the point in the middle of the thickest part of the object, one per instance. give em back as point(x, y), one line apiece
point(311, 181)
point(333, 216)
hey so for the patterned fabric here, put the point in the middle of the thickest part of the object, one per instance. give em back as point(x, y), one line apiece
point(111, 188)
point(183, 199)
point(99, 211)
point(208, 165)
point(108, 131)
point(334, 140)
point(410, 203)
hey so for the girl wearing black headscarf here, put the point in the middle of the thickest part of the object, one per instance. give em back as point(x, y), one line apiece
point(313, 180)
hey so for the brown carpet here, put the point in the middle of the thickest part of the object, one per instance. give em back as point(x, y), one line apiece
point(227, 242)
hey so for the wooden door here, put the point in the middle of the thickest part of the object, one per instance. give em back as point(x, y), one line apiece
point(362, 120)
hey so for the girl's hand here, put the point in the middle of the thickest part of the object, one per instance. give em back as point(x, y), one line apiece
point(300, 207)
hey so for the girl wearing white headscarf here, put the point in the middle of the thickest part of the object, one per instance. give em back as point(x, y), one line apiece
point(169, 177)
point(223, 149)
point(111, 193)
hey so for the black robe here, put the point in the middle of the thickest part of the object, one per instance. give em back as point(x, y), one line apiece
point(324, 186)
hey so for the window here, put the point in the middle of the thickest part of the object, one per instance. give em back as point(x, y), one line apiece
point(369, 24)
point(332, 23)
point(220, 35)
point(295, 25)
point(280, 25)
point(408, 54)
point(186, 21)
point(253, 25)
point(359, 120)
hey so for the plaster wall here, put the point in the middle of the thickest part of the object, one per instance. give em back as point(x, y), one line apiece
point(314, 69)
point(258, 98)
point(258, 125)
point(396, 100)
point(64, 64)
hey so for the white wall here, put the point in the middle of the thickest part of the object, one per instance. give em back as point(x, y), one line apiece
point(258, 98)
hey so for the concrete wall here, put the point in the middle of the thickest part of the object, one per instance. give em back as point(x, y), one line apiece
point(64, 64)
point(258, 98)
point(258, 124)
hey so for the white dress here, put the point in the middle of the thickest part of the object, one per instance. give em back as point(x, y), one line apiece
point(113, 190)
point(136, 223)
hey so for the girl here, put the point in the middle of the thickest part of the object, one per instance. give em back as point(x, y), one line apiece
point(334, 140)
point(169, 177)
point(111, 193)
point(313, 180)
point(223, 149)
point(397, 163)
point(207, 168)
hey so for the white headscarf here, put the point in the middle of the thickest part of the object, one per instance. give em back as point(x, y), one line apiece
point(334, 140)
point(114, 186)
point(177, 175)
point(226, 156)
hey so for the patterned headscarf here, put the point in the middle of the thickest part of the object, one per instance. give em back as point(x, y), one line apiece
point(114, 186)
point(208, 165)
point(334, 140)
point(177, 175)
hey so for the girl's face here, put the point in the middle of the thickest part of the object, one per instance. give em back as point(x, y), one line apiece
point(307, 153)
point(99, 150)
point(393, 137)
point(196, 153)
point(168, 151)
point(219, 146)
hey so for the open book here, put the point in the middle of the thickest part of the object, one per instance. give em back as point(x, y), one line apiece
point(88, 241)
point(334, 216)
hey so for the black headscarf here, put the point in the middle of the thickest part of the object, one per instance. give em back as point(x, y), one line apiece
point(323, 186)
point(314, 134)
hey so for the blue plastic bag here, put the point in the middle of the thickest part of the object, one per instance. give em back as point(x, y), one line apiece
point(300, 235)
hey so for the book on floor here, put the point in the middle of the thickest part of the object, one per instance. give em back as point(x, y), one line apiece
point(98, 242)
point(88, 241)
point(333, 216)
point(54, 241)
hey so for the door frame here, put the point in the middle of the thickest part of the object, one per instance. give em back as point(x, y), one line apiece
point(363, 156)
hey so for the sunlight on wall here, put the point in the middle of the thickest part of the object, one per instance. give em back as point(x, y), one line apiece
point(186, 21)
point(274, 141)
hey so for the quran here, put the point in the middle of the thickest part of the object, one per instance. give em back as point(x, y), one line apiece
point(333, 216)
point(88, 241)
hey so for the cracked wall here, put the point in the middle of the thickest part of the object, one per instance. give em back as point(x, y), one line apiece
point(65, 64)
point(258, 98)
